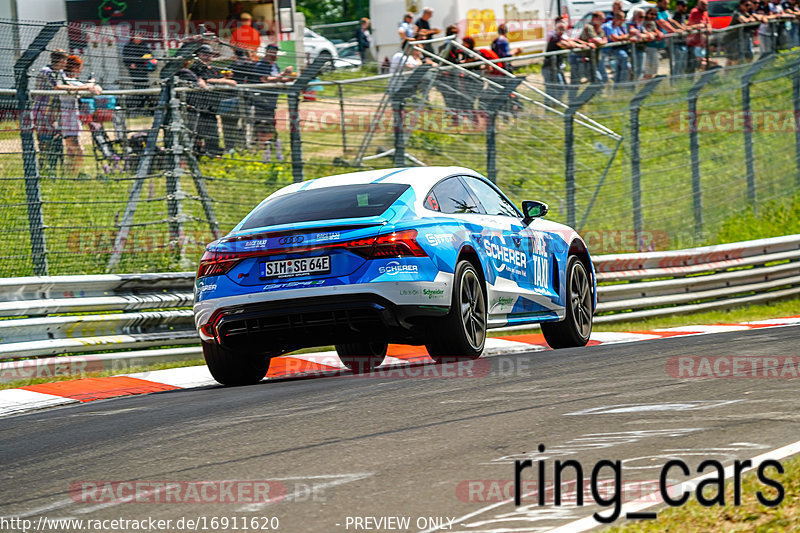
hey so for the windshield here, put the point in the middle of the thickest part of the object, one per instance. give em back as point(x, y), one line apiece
point(326, 203)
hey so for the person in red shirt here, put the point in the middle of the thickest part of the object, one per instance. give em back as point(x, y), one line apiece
point(246, 36)
point(698, 21)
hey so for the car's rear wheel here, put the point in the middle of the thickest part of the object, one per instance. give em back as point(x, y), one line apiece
point(462, 333)
point(234, 367)
point(362, 356)
point(576, 327)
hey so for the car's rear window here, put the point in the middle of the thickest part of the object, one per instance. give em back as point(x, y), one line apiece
point(326, 203)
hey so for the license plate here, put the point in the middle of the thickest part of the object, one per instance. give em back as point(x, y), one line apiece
point(296, 267)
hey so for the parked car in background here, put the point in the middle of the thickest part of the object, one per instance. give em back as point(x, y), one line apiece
point(348, 55)
point(314, 44)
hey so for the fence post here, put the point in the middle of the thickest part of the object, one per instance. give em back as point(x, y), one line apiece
point(174, 192)
point(342, 122)
point(294, 136)
point(636, 173)
point(694, 147)
point(398, 109)
point(576, 101)
point(749, 159)
point(33, 193)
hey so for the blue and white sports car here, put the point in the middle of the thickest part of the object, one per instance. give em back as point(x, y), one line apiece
point(431, 255)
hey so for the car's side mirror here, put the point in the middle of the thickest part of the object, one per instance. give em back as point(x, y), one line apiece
point(533, 209)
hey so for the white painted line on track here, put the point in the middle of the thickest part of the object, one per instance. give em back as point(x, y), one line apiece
point(645, 502)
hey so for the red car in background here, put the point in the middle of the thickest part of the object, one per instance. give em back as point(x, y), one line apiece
point(721, 12)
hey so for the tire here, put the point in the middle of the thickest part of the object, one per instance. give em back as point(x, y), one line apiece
point(361, 357)
point(231, 368)
point(576, 327)
point(461, 335)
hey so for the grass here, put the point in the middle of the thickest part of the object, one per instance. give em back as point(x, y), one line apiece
point(750, 516)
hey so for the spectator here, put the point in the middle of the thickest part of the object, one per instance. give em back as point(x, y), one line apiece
point(364, 40)
point(424, 30)
point(268, 72)
point(616, 7)
point(70, 118)
point(207, 128)
point(551, 68)
point(246, 36)
point(639, 38)
point(46, 111)
point(502, 47)
point(679, 49)
point(652, 51)
point(737, 42)
point(767, 42)
point(698, 20)
point(136, 56)
point(615, 33)
point(593, 35)
point(407, 29)
point(243, 67)
point(450, 82)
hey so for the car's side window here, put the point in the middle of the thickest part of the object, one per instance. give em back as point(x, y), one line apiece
point(453, 197)
point(490, 199)
point(431, 202)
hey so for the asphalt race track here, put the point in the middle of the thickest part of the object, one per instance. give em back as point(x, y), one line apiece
point(339, 447)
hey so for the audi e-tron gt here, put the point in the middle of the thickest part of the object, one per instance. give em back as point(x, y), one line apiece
point(430, 256)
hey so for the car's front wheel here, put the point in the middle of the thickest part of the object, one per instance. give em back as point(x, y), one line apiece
point(362, 356)
point(576, 327)
point(462, 333)
point(234, 368)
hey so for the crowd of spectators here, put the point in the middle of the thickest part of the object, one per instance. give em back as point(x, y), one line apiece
point(628, 47)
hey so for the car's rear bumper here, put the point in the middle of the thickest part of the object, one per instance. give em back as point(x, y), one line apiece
point(313, 321)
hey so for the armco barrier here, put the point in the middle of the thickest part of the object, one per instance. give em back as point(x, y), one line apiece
point(121, 312)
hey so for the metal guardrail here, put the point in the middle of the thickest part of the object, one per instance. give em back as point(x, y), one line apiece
point(148, 310)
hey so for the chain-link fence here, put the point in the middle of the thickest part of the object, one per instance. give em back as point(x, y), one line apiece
point(139, 179)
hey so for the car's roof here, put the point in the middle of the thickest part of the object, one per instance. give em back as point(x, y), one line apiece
point(421, 179)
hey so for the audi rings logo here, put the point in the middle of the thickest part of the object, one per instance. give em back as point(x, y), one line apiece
point(294, 239)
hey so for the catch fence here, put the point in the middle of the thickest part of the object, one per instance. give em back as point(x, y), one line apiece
point(654, 164)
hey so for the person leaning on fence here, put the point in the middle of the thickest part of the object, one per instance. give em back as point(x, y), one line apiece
point(697, 42)
point(424, 30)
point(679, 49)
point(450, 83)
point(617, 55)
point(593, 35)
point(737, 41)
point(266, 103)
point(47, 117)
point(207, 127)
point(653, 48)
point(640, 36)
point(70, 114)
point(551, 68)
point(407, 29)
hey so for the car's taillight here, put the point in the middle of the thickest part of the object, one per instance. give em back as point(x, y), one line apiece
point(217, 263)
point(398, 244)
